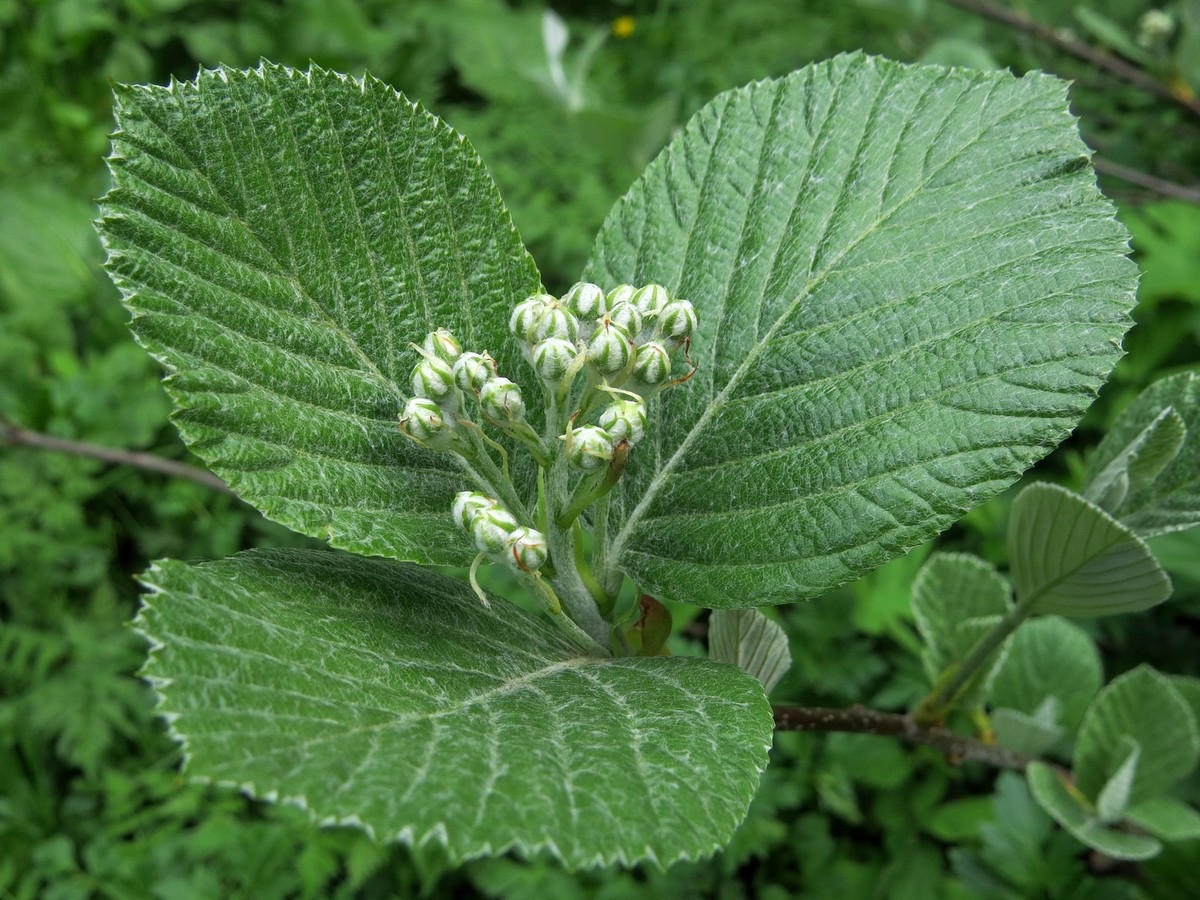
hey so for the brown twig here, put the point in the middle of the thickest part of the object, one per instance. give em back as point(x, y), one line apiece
point(861, 720)
point(1102, 59)
point(13, 435)
point(1150, 182)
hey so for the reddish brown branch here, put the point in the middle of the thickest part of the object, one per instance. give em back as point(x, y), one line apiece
point(16, 436)
point(861, 720)
point(1101, 59)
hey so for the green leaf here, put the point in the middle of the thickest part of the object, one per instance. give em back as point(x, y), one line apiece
point(959, 820)
point(281, 237)
point(1144, 706)
point(1168, 499)
point(1113, 799)
point(956, 599)
point(752, 642)
point(1139, 463)
point(387, 696)
point(1031, 734)
point(1167, 819)
point(909, 289)
point(1048, 658)
point(1071, 558)
point(1054, 796)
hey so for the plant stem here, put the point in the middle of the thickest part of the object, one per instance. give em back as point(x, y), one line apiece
point(955, 679)
point(551, 603)
point(494, 482)
point(861, 720)
point(571, 588)
point(16, 436)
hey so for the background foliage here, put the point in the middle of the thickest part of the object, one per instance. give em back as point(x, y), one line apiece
point(91, 803)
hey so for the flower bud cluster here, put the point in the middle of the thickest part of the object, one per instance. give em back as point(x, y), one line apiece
point(497, 533)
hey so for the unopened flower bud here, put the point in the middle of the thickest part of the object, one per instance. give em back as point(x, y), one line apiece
point(622, 293)
point(423, 420)
point(552, 357)
point(653, 364)
point(677, 320)
point(610, 349)
point(526, 313)
point(442, 344)
point(590, 448)
point(556, 322)
point(433, 378)
point(628, 317)
point(651, 299)
point(469, 504)
point(625, 420)
point(585, 300)
point(473, 370)
point(501, 401)
point(527, 550)
point(491, 529)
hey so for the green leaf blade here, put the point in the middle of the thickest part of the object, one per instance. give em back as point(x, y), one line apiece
point(280, 238)
point(908, 288)
point(387, 696)
point(752, 642)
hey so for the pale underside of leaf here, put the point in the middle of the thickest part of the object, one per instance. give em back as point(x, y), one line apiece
point(908, 290)
point(281, 237)
point(386, 696)
point(752, 642)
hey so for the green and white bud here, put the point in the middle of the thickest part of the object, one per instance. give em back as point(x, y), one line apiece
point(526, 313)
point(651, 299)
point(610, 349)
point(622, 293)
point(653, 365)
point(423, 420)
point(677, 320)
point(501, 401)
point(473, 370)
point(624, 420)
point(442, 344)
point(468, 505)
point(556, 322)
point(552, 357)
point(628, 317)
point(586, 300)
point(433, 378)
point(590, 448)
point(527, 550)
point(491, 529)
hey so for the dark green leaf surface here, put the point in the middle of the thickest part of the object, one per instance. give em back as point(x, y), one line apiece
point(281, 237)
point(385, 695)
point(909, 289)
point(1071, 558)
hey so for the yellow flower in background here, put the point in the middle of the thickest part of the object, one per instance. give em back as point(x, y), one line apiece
point(623, 26)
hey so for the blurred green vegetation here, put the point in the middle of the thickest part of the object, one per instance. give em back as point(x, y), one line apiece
point(91, 799)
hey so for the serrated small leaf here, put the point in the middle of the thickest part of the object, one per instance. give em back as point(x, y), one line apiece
point(1170, 499)
point(1113, 799)
point(1029, 734)
point(281, 236)
point(956, 599)
point(1143, 705)
point(1137, 465)
point(1048, 659)
point(1053, 795)
point(908, 290)
point(1071, 558)
point(387, 696)
point(752, 642)
point(1167, 819)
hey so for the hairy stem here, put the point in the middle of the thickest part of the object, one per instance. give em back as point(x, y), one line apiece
point(861, 720)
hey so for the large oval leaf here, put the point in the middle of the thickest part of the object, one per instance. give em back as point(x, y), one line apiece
point(909, 289)
point(386, 695)
point(281, 237)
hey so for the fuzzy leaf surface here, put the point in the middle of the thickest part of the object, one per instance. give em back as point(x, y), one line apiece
point(752, 642)
point(1168, 500)
point(385, 695)
point(909, 289)
point(1071, 558)
point(281, 237)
